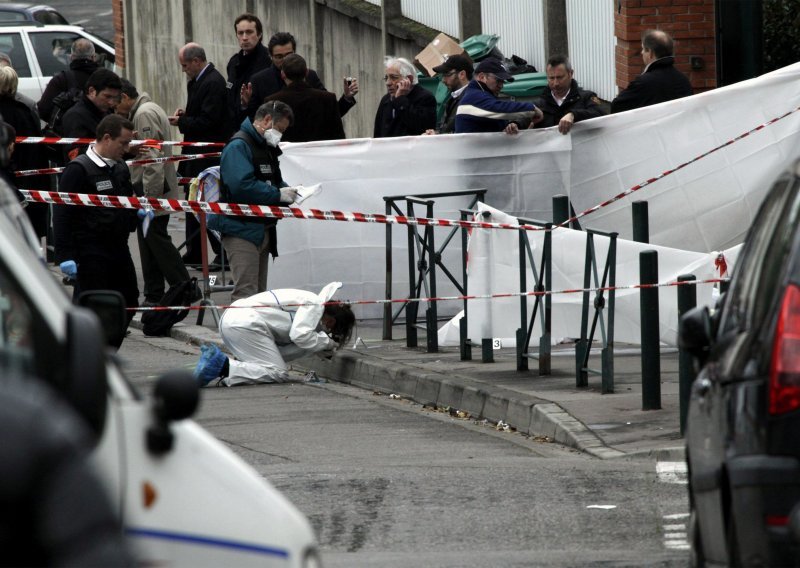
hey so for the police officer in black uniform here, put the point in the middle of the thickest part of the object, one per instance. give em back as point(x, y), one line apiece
point(95, 239)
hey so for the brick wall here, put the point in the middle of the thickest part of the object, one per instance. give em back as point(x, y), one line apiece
point(689, 22)
point(119, 31)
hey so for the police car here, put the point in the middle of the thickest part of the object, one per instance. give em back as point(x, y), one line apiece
point(185, 499)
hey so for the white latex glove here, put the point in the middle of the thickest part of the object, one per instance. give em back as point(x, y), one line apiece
point(288, 195)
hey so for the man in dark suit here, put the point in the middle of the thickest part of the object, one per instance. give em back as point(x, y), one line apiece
point(660, 81)
point(269, 81)
point(251, 58)
point(316, 113)
point(407, 108)
point(205, 119)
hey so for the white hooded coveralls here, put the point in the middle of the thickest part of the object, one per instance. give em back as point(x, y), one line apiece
point(263, 339)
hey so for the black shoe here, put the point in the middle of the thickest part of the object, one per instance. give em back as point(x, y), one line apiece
point(197, 294)
point(214, 267)
point(149, 304)
point(191, 259)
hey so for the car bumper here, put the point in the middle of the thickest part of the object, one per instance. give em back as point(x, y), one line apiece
point(764, 490)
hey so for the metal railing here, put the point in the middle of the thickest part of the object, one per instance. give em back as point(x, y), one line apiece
point(423, 260)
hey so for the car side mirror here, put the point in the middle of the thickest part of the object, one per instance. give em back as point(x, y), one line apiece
point(694, 333)
point(85, 387)
point(176, 396)
point(109, 306)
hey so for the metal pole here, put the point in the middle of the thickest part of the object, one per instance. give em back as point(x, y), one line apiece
point(560, 209)
point(651, 348)
point(687, 299)
point(641, 222)
point(432, 318)
point(522, 359)
point(387, 308)
point(411, 307)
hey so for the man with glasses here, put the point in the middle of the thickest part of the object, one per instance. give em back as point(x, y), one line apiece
point(482, 111)
point(407, 109)
point(269, 81)
point(456, 74)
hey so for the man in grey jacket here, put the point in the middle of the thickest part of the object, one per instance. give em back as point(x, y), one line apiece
point(160, 259)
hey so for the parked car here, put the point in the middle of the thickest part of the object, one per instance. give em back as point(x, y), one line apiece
point(743, 422)
point(38, 52)
point(185, 499)
point(27, 12)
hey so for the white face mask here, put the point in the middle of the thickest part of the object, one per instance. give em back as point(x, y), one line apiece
point(273, 136)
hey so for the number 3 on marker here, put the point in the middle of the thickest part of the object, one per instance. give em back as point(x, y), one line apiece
point(497, 344)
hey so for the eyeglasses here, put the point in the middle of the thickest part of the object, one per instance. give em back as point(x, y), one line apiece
point(496, 78)
point(450, 73)
point(392, 77)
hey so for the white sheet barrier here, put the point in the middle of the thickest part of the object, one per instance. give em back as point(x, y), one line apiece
point(706, 206)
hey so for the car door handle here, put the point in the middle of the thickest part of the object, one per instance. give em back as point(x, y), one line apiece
point(702, 387)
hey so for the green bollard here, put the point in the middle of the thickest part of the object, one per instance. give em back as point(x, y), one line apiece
point(651, 348)
point(687, 299)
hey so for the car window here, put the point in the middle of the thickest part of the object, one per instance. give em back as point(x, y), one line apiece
point(759, 268)
point(12, 16)
point(16, 328)
point(49, 17)
point(11, 45)
point(52, 50)
point(104, 58)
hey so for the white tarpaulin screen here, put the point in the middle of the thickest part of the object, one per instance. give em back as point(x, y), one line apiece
point(494, 268)
point(705, 206)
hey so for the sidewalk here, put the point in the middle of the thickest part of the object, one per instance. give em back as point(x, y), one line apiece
point(605, 426)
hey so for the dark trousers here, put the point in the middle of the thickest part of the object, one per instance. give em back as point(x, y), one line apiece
point(193, 251)
point(160, 259)
point(109, 266)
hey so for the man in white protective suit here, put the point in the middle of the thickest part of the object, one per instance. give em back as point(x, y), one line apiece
point(289, 324)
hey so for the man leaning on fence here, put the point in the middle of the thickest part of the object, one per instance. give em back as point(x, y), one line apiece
point(563, 102)
point(250, 174)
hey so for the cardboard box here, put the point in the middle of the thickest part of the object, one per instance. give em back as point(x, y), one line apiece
point(435, 53)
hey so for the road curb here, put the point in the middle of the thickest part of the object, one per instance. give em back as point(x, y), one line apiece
point(527, 414)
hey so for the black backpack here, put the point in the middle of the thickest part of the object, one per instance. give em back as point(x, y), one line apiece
point(157, 323)
point(64, 101)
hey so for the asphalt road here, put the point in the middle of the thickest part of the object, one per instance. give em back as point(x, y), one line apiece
point(387, 483)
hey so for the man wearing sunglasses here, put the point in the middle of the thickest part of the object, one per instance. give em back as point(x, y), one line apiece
point(482, 111)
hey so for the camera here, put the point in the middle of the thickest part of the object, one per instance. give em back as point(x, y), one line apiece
point(349, 80)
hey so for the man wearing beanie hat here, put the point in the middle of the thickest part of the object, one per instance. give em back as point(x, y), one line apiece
point(482, 111)
point(456, 72)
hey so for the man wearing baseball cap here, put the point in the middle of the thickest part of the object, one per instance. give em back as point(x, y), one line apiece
point(456, 72)
point(482, 111)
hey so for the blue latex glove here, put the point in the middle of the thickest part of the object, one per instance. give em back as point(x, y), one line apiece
point(142, 213)
point(69, 269)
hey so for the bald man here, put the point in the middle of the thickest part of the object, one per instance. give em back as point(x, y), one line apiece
point(205, 119)
point(660, 81)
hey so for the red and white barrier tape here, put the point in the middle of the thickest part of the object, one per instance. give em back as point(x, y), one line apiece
point(664, 174)
point(148, 142)
point(246, 210)
point(444, 298)
point(165, 159)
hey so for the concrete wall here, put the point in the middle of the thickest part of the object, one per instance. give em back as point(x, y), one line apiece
point(338, 38)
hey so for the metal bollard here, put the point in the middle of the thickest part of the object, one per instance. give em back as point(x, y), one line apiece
point(466, 347)
point(641, 222)
point(487, 353)
point(651, 349)
point(687, 299)
point(560, 209)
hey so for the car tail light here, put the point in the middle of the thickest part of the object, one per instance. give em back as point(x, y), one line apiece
point(784, 376)
point(777, 520)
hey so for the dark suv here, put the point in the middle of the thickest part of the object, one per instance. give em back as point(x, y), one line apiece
point(743, 429)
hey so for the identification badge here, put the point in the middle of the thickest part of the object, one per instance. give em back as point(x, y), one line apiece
point(104, 185)
point(266, 169)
